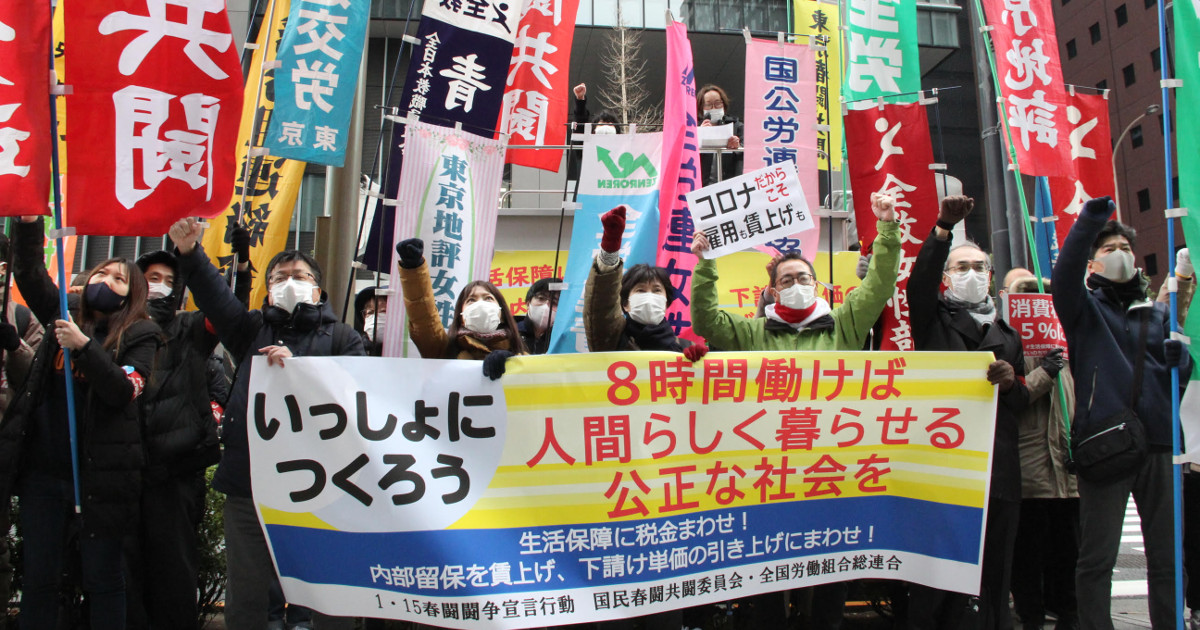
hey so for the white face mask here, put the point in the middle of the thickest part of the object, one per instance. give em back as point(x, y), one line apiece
point(798, 296)
point(539, 315)
point(605, 130)
point(715, 114)
point(287, 294)
point(482, 317)
point(373, 325)
point(155, 290)
point(647, 309)
point(1118, 265)
point(969, 286)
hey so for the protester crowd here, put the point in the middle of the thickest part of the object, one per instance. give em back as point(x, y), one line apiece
point(148, 398)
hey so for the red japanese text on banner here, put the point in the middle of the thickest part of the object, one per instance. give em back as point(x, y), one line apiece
point(679, 175)
point(1091, 174)
point(781, 91)
point(890, 152)
point(1031, 84)
point(24, 107)
point(1033, 316)
point(154, 113)
point(535, 93)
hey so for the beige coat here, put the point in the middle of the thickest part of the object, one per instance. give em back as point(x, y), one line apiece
point(1041, 437)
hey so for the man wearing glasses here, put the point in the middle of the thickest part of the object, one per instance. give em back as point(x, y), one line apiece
point(963, 318)
point(799, 320)
point(296, 320)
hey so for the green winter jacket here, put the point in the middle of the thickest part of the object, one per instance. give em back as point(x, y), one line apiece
point(852, 320)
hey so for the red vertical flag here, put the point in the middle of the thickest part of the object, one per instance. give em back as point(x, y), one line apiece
point(154, 114)
point(1090, 141)
point(1031, 84)
point(25, 134)
point(535, 94)
point(890, 152)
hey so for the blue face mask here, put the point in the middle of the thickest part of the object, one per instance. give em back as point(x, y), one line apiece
point(99, 297)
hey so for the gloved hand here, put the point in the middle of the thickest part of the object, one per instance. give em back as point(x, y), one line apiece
point(1183, 264)
point(863, 263)
point(1002, 374)
point(1053, 362)
point(1173, 352)
point(240, 240)
point(493, 364)
point(955, 208)
point(1100, 207)
point(411, 252)
point(614, 226)
point(9, 338)
point(695, 352)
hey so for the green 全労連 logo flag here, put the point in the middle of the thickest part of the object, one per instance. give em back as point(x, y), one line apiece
point(1187, 135)
point(881, 49)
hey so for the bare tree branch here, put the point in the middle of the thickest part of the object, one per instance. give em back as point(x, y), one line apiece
point(625, 76)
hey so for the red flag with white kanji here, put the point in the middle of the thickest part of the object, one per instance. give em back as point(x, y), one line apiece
point(153, 117)
point(1034, 101)
point(535, 94)
point(890, 152)
point(25, 107)
point(1090, 142)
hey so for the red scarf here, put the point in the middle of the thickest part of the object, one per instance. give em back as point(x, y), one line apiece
point(792, 315)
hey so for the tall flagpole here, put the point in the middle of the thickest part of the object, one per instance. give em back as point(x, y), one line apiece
point(63, 311)
point(1168, 174)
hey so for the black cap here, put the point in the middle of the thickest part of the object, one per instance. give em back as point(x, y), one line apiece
point(159, 257)
point(361, 299)
point(540, 286)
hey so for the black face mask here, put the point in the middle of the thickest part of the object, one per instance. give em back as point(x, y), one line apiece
point(162, 309)
point(100, 297)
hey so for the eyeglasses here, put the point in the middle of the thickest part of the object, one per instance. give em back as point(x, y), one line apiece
point(805, 279)
point(302, 276)
point(965, 266)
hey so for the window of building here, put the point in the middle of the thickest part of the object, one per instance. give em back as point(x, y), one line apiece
point(1143, 197)
point(1102, 85)
point(710, 15)
point(1135, 136)
point(1071, 51)
point(1094, 31)
point(1122, 15)
point(1155, 59)
point(1129, 74)
point(1151, 266)
point(1066, 2)
point(1150, 4)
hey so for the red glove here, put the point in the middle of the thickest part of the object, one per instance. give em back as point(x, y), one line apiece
point(614, 226)
point(695, 352)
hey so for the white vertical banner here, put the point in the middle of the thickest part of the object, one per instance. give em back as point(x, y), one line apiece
point(449, 198)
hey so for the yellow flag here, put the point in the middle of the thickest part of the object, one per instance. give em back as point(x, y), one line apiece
point(270, 196)
point(815, 18)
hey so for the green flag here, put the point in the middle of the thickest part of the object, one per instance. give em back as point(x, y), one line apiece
point(881, 48)
point(1187, 134)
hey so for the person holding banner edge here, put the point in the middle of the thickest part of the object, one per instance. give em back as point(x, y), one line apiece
point(483, 327)
point(798, 320)
point(112, 343)
point(295, 320)
point(964, 318)
point(1101, 301)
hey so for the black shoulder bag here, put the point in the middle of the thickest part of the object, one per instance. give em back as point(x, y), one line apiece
point(1117, 446)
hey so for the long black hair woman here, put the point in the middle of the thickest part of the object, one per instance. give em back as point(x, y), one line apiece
point(112, 342)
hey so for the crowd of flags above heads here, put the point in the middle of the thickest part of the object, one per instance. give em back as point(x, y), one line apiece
point(154, 105)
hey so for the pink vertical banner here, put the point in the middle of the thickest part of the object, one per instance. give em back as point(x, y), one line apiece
point(679, 175)
point(781, 91)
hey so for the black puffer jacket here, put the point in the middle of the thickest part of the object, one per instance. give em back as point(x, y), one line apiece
point(179, 429)
point(312, 330)
point(110, 445)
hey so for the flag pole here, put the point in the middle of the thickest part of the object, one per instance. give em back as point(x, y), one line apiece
point(1176, 472)
point(63, 311)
